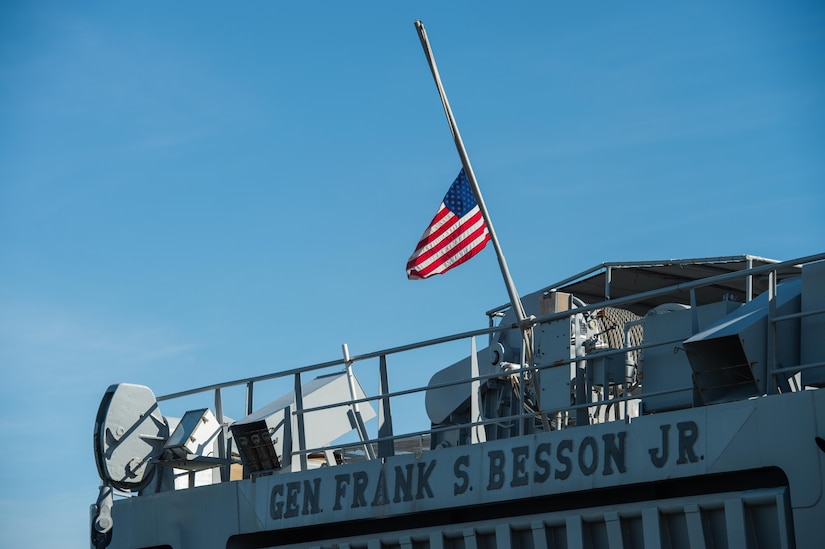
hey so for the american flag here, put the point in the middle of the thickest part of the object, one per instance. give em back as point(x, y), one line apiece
point(456, 233)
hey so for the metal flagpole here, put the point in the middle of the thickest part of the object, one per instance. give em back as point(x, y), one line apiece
point(515, 301)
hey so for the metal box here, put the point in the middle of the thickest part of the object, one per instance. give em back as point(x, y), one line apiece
point(553, 350)
point(730, 358)
point(195, 434)
point(665, 366)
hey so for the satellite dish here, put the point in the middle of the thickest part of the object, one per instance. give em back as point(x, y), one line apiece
point(129, 434)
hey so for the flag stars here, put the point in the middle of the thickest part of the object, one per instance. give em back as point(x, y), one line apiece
point(460, 199)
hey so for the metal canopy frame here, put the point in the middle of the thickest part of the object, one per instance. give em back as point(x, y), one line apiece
point(613, 280)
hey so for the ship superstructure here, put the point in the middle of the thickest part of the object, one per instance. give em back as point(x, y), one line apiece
point(671, 403)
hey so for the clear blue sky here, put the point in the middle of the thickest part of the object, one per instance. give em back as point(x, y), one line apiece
point(195, 192)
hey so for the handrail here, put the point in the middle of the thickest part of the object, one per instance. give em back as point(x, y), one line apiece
point(384, 395)
point(501, 328)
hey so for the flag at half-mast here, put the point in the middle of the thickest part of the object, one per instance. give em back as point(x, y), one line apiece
point(456, 233)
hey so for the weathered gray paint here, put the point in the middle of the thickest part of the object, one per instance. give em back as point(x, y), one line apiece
point(680, 442)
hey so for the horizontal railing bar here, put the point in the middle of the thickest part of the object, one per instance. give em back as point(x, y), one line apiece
point(502, 419)
point(799, 368)
point(486, 331)
point(255, 379)
point(493, 375)
point(341, 362)
point(801, 314)
point(682, 286)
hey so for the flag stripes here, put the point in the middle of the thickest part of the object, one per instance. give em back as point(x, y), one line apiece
point(456, 233)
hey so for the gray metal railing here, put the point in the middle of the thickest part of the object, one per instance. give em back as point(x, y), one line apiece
point(386, 436)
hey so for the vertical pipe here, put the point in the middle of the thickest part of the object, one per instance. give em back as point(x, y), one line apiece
point(477, 433)
point(356, 412)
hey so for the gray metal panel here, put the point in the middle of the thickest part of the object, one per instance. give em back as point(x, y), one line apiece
point(443, 401)
point(554, 347)
point(539, 536)
point(614, 531)
point(322, 426)
point(696, 533)
point(195, 433)
point(735, 523)
point(729, 359)
point(129, 433)
point(321, 390)
point(711, 520)
point(209, 513)
point(666, 367)
point(575, 531)
point(652, 528)
point(702, 440)
point(813, 327)
point(470, 539)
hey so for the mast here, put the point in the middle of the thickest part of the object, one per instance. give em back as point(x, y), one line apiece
point(515, 301)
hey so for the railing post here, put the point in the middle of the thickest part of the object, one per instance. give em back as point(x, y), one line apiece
point(475, 398)
point(221, 434)
point(770, 362)
point(287, 455)
point(582, 387)
point(249, 406)
point(520, 425)
point(694, 313)
point(299, 411)
point(608, 279)
point(386, 448)
point(355, 413)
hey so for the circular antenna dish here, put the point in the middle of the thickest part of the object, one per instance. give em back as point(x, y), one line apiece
point(129, 434)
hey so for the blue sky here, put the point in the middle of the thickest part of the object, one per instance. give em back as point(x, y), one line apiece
point(197, 192)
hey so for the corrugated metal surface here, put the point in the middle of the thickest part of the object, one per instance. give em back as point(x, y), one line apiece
point(755, 518)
